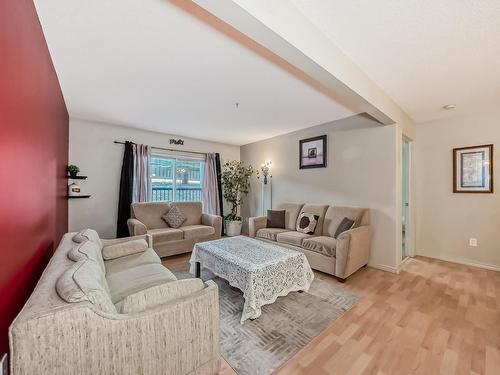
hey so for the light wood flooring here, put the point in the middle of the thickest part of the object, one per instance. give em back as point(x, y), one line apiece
point(434, 317)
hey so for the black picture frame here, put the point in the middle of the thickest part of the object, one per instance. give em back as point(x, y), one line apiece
point(313, 152)
point(486, 169)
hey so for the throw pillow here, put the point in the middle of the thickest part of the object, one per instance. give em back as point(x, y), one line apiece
point(306, 223)
point(124, 248)
point(174, 217)
point(344, 225)
point(85, 281)
point(275, 219)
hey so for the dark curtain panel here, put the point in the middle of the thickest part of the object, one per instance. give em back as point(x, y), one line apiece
point(126, 189)
point(219, 187)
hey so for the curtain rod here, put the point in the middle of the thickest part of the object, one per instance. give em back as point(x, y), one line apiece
point(168, 149)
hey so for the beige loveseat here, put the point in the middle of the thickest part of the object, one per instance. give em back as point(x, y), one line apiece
point(341, 256)
point(127, 315)
point(198, 227)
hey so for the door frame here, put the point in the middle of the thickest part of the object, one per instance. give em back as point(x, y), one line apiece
point(410, 227)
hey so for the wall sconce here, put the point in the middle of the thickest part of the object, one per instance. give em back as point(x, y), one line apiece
point(264, 170)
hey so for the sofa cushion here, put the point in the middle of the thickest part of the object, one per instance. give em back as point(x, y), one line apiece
point(334, 216)
point(191, 210)
point(323, 244)
point(197, 231)
point(119, 264)
point(124, 248)
point(132, 280)
point(320, 211)
point(306, 223)
point(269, 233)
point(160, 294)
point(87, 234)
point(166, 234)
point(292, 211)
point(150, 213)
point(275, 219)
point(292, 238)
point(87, 250)
point(174, 217)
point(84, 281)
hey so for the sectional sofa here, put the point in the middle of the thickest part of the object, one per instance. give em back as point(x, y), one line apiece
point(341, 256)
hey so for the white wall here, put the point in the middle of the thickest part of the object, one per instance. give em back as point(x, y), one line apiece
point(446, 220)
point(91, 147)
point(362, 171)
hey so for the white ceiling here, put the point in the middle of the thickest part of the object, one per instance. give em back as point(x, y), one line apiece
point(423, 53)
point(152, 65)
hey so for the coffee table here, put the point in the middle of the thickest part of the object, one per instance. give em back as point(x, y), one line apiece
point(262, 271)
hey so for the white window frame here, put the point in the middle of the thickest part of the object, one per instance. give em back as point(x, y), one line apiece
point(175, 157)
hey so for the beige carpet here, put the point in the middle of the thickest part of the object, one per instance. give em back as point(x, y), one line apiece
point(261, 346)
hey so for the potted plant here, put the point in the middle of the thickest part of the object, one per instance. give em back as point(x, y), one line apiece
point(236, 183)
point(73, 170)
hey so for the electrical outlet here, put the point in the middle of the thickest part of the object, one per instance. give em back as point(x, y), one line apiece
point(3, 365)
point(473, 242)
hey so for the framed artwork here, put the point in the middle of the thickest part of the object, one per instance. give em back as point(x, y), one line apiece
point(473, 169)
point(312, 152)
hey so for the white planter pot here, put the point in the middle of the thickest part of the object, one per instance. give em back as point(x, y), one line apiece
point(233, 228)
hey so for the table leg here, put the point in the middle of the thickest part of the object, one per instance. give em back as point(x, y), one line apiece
point(197, 269)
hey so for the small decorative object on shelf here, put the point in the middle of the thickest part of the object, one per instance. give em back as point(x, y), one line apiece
point(73, 170)
point(73, 190)
point(265, 169)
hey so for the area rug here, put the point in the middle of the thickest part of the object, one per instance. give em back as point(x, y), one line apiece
point(286, 326)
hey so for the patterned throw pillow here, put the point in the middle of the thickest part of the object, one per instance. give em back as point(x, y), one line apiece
point(344, 225)
point(174, 217)
point(306, 223)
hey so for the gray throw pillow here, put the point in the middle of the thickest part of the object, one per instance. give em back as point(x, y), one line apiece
point(306, 223)
point(275, 219)
point(344, 225)
point(174, 217)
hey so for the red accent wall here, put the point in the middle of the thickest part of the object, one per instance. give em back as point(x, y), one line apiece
point(33, 158)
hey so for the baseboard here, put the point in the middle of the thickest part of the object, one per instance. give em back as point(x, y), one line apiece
point(384, 267)
point(464, 261)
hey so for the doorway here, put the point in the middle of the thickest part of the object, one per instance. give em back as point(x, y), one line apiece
point(406, 218)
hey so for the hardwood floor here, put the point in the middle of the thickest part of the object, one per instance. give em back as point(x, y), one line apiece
point(434, 317)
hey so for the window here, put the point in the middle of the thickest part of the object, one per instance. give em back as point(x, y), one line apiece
point(176, 179)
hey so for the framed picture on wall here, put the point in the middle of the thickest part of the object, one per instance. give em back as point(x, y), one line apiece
point(473, 169)
point(312, 152)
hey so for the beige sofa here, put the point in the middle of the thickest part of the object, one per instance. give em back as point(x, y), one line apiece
point(340, 257)
point(147, 219)
point(128, 314)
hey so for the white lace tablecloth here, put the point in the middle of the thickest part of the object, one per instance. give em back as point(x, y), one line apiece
point(261, 270)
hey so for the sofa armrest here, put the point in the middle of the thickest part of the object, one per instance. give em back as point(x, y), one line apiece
point(213, 221)
point(178, 337)
point(135, 227)
point(256, 223)
point(115, 241)
point(353, 250)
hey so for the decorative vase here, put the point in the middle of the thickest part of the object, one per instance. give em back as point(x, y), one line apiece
point(233, 228)
point(73, 174)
